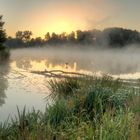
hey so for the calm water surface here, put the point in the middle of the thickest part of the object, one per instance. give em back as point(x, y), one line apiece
point(19, 87)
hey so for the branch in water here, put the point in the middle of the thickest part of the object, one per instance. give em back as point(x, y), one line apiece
point(57, 73)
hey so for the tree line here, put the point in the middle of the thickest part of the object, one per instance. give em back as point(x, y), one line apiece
point(115, 37)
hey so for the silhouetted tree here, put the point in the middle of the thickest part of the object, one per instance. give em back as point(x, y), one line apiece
point(37, 42)
point(19, 35)
point(47, 36)
point(2, 33)
point(54, 38)
point(27, 36)
point(22, 39)
point(120, 36)
point(71, 37)
point(84, 37)
point(63, 36)
point(14, 42)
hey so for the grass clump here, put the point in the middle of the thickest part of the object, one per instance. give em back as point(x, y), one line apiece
point(88, 108)
point(65, 87)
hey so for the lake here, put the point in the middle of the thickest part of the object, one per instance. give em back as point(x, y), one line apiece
point(20, 87)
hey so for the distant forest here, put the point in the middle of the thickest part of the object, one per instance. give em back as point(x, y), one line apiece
point(113, 37)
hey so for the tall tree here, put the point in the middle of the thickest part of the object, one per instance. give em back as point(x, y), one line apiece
point(47, 36)
point(24, 36)
point(2, 33)
point(27, 35)
point(19, 35)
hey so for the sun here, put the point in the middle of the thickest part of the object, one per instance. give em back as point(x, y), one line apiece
point(61, 26)
point(58, 26)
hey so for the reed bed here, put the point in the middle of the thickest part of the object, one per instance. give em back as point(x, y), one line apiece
point(83, 108)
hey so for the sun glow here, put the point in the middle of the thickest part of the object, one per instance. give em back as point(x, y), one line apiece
point(59, 27)
point(56, 19)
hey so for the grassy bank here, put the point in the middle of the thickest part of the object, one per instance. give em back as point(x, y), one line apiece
point(83, 108)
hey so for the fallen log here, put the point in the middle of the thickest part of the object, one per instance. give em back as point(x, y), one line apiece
point(57, 73)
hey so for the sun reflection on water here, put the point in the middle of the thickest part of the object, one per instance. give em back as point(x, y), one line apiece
point(43, 65)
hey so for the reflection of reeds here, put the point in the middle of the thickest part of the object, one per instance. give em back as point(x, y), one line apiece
point(84, 107)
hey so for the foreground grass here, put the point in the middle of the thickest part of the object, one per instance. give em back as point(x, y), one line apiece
point(84, 108)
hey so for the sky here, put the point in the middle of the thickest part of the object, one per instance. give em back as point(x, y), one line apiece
point(42, 16)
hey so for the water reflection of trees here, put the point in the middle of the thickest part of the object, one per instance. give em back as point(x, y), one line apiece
point(50, 63)
point(4, 70)
point(23, 64)
point(26, 64)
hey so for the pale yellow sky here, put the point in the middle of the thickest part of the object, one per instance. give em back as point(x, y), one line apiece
point(42, 16)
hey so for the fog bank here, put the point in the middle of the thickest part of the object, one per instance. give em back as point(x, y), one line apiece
point(110, 61)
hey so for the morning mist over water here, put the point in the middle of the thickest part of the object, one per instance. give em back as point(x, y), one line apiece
point(106, 60)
